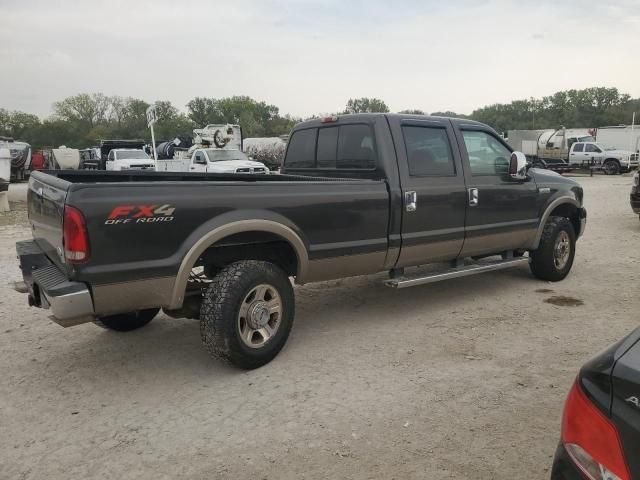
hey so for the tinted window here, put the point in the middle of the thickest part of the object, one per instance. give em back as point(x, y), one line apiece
point(579, 147)
point(327, 147)
point(428, 151)
point(591, 148)
point(302, 149)
point(487, 155)
point(356, 148)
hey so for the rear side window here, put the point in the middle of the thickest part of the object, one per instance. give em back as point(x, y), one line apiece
point(340, 147)
point(302, 149)
point(428, 151)
point(356, 148)
point(579, 147)
point(327, 147)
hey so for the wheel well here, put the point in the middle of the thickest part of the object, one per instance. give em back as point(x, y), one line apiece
point(256, 245)
point(569, 211)
point(612, 160)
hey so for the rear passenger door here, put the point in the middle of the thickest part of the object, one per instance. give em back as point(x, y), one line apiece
point(433, 189)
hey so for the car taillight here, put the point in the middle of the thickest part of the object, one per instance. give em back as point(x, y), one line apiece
point(591, 440)
point(75, 237)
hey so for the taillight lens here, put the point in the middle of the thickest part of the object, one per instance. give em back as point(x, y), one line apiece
point(591, 440)
point(75, 237)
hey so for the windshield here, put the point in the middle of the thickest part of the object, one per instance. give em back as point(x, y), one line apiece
point(224, 155)
point(588, 138)
point(131, 155)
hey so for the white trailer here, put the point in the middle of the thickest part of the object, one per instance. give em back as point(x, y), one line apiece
point(622, 137)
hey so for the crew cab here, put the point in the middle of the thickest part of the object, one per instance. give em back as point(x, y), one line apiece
point(216, 160)
point(358, 194)
point(611, 160)
point(129, 159)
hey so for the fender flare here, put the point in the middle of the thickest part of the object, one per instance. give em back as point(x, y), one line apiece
point(547, 213)
point(232, 228)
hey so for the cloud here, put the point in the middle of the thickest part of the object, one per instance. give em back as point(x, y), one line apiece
point(309, 56)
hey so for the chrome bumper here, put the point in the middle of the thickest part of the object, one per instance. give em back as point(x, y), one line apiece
point(48, 287)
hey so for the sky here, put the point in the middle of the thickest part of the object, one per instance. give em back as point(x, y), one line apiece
point(310, 56)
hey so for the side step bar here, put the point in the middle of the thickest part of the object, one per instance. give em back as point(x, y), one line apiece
point(405, 281)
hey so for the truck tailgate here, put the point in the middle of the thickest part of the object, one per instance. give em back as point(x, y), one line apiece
point(45, 199)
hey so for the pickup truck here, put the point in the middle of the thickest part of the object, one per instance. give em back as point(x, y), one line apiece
point(609, 159)
point(224, 161)
point(129, 159)
point(358, 194)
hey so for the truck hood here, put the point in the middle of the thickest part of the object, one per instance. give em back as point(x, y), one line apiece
point(618, 153)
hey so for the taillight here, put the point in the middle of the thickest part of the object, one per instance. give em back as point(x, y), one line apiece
point(75, 237)
point(591, 440)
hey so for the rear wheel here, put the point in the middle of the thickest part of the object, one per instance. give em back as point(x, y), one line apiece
point(611, 167)
point(553, 258)
point(247, 313)
point(125, 322)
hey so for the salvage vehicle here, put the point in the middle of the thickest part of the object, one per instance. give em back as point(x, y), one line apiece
point(358, 194)
point(602, 157)
point(224, 161)
point(20, 158)
point(214, 149)
point(129, 159)
point(601, 421)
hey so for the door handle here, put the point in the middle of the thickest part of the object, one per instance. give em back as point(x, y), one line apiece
point(473, 197)
point(410, 201)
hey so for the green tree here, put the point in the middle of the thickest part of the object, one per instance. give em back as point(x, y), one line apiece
point(366, 105)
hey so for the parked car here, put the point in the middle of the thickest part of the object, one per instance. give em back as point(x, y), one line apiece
point(601, 421)
point(358, 194)
point(129, 159)
point(634, 198)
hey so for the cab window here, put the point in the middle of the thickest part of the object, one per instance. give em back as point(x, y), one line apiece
point(356, 148)
point(302, 149)
point(428, 151)
point(591, 148)
point(487, 155)
point(578, 147)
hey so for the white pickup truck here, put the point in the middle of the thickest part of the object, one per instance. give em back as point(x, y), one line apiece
point(129, 159)
point(224, 161)
point(611, 160)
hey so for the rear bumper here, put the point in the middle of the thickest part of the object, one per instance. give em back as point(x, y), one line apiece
point(563, 466)
point(634, 200)
point(48, 287)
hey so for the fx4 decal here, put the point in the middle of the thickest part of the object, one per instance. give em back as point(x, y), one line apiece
point(633, 401)
point(123, 214)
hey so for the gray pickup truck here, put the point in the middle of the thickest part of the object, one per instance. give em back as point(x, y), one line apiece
point(358, 194)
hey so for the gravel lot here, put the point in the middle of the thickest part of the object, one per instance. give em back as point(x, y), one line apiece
point(461, 379)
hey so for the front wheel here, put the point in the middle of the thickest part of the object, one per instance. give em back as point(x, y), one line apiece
point(553, 258)
point(611, 167)
point(247, 313)
point(125, 322)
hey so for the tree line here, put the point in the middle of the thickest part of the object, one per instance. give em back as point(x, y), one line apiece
point(82, 120)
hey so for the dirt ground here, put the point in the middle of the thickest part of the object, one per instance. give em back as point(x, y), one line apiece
point(461, 379)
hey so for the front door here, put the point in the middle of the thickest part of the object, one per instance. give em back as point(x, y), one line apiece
point(501, 211)
point(433, 190)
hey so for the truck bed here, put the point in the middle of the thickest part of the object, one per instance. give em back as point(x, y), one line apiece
point(93, 177)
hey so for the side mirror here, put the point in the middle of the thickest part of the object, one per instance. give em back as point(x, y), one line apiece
point(518, 166)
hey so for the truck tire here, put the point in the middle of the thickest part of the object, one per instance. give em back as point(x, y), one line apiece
point(247, 313)
point(125, 322)
point(553, 258)
point(611, 167)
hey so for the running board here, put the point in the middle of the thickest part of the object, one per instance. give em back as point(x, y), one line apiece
point(413, 280)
